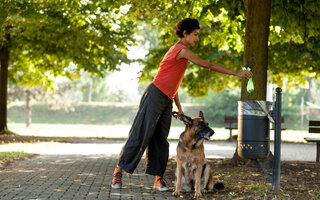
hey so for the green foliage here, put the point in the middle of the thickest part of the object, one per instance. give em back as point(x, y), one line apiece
point(213, 44)
point(58, 38)
point(293, 49)
point(218, 105)
point(12, 154)
point(214, 106)
point(291, 107)
point(85, 113)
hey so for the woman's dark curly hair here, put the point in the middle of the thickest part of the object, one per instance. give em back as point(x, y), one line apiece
point(187, 24)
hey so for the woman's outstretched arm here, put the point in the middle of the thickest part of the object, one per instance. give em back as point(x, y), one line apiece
point(188, 54)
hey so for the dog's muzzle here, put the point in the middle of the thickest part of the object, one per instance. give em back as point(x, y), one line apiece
point(204, 134)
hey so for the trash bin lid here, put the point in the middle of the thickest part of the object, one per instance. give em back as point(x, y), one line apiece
point(254, 108)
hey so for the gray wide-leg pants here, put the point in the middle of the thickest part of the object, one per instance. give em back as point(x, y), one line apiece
point(149, 132)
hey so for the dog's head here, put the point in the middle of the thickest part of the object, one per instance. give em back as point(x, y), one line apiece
point(197, 126)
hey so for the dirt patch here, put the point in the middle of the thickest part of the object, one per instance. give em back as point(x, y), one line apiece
point(299, 180)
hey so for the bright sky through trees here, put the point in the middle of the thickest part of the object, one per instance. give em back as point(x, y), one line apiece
point(127, 78)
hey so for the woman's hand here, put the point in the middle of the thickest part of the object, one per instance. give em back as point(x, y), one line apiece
point(244, 74)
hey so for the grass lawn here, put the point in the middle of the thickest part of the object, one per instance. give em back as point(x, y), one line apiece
point(121, 131)
point(108, 120)
point(10, 156)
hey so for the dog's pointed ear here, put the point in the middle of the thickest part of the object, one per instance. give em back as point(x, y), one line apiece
point(201, 115)
point(182, 117)
point(187, 120)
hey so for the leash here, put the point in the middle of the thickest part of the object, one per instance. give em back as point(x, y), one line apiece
point(176, 114)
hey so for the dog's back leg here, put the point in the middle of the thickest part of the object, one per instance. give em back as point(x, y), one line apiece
point(210, 182)
point(206, 178)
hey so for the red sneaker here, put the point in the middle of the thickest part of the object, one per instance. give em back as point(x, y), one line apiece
point(116, 181)
point(160, 185)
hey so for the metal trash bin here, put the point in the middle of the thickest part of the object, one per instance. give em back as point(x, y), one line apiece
point(254, 129)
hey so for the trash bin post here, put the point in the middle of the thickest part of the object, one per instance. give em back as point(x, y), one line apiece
point(254, 131)
point(277, 142)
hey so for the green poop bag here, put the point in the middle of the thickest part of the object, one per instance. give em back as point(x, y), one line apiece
point(250, 86)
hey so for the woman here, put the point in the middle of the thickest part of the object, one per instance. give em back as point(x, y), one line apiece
point(151, 126)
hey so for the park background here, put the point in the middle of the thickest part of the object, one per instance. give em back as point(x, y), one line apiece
point(66, 63)
point(65, 69)
point(78, 68)
point(94, 106)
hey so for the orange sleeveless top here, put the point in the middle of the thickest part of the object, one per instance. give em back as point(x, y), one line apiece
point(171, 71)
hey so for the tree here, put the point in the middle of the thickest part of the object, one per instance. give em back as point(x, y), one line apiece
point(221, 39)
point(293, 46)
point(256, 48)
point(294, 42)
point(4, 56)
point(256, 51)
point(49, 39)
point(40, 41)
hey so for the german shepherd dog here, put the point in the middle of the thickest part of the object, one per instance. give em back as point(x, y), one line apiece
point(193, 173)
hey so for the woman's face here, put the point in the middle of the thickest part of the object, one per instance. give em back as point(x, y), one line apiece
point(192, 38)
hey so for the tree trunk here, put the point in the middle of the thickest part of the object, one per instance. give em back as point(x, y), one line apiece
point(309, 94)
point(28, 108)
point(89, 91)
point(256, 48)
point(4, 58)
point(256, 51)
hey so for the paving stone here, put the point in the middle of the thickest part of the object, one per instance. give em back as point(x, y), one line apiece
point(74, 177)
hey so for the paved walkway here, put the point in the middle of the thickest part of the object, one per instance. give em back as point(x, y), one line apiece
point(83, 170)
point(73, 177)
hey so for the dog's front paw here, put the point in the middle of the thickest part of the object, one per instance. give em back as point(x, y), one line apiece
point(197, 195)
point(204, 191)
point(176, 193)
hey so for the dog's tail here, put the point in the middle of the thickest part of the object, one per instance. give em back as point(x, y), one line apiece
point(218, 186)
